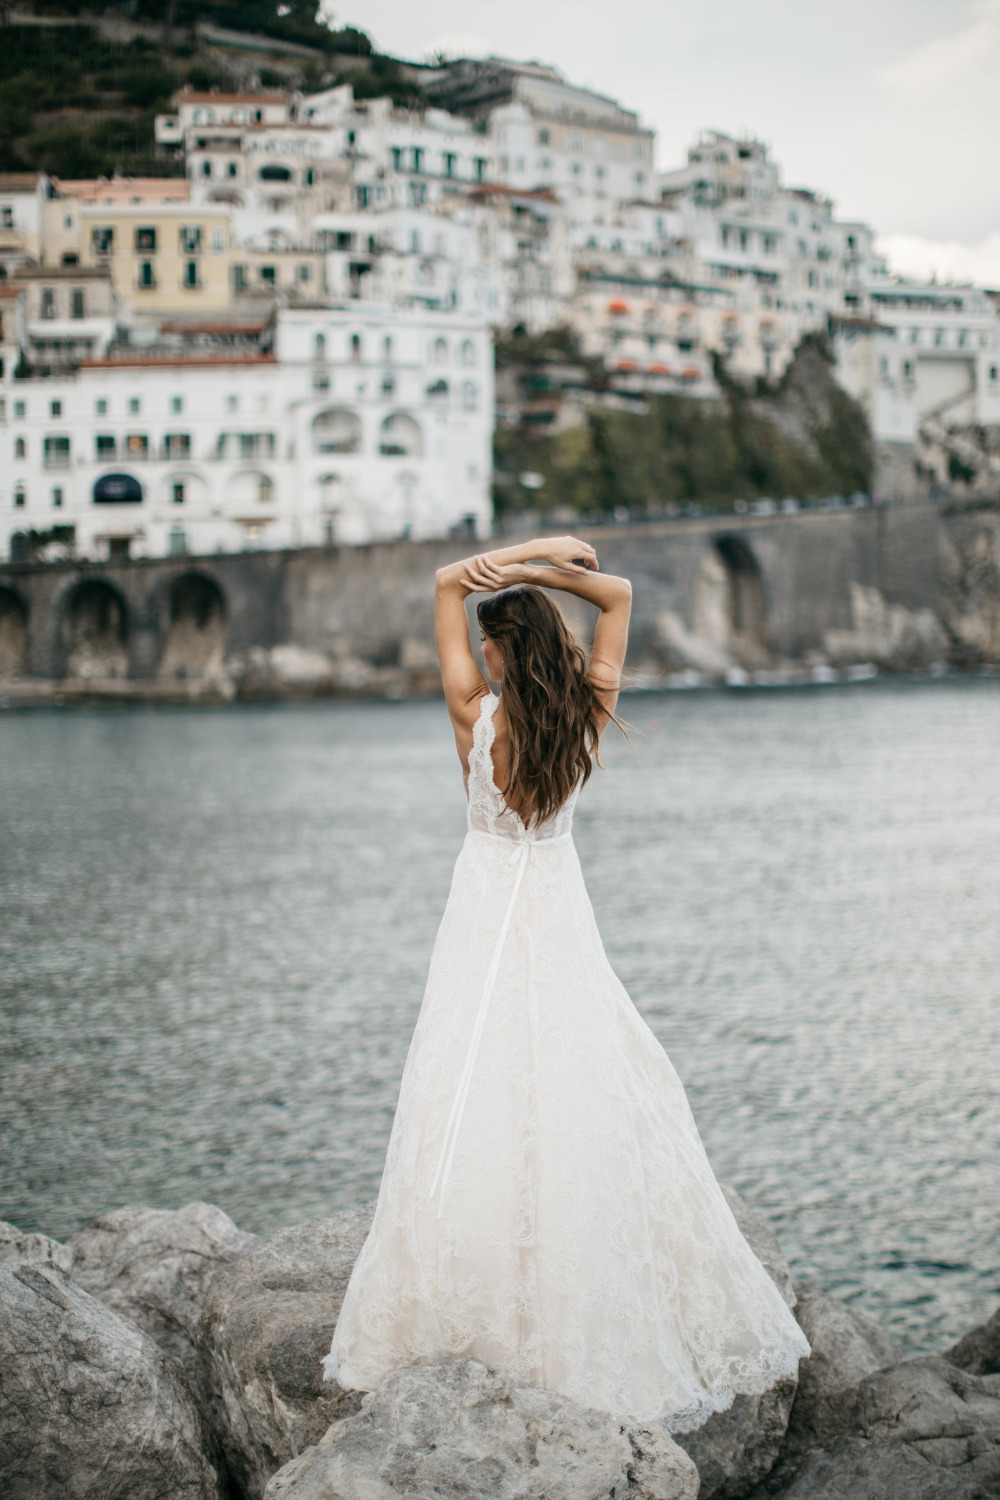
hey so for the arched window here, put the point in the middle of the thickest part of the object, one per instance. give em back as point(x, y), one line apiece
point(19, 448)
point(356, 347)
point(319, 346)
point(470, 395)
point(468, 352)
point(440, 351)
point(336, 431)
point(20, 498)
point(400, 437)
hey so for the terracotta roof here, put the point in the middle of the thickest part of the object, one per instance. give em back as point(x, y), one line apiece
point(123, 189)
point(191, 96)
point(8, 290)
point(219, 326)
point(152, 361)
point(18, 182)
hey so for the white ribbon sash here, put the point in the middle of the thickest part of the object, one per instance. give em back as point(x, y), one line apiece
point(524, 847)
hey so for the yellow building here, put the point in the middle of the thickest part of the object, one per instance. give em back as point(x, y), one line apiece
point(164, 256)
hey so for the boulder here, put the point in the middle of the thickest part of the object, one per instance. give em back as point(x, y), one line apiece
point(153, 1266)
point(846, 1346)
point(19, 1245)
point(947, 1418)
point(459, 1429)
point(979, 1351)
point(854, 1469)
point(266, 1324)
point(736, 1448)
point(90, 1406)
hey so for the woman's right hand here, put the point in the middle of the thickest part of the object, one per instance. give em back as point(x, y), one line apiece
point(569, 553)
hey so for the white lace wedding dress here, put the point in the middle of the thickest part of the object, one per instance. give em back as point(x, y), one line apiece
point(547, 1205)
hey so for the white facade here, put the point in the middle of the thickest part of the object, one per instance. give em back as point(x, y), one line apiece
point(367, 424)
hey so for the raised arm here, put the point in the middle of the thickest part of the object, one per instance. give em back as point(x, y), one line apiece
point(612, 596)
point(464, 683)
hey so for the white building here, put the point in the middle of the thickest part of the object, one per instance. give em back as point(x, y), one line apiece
point(362, 424)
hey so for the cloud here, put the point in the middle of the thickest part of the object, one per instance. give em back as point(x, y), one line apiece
point(940, 59)
point(919, 259)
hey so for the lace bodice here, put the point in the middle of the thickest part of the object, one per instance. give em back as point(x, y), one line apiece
point(488, 812)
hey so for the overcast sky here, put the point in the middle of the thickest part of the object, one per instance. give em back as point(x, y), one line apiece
point(890, 106)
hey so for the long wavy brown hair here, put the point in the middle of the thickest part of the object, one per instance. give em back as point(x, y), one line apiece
point(553, 709)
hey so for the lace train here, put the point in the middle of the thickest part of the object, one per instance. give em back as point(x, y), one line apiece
point(547, 1205)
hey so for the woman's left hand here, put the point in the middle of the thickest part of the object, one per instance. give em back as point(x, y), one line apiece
point(483, 576)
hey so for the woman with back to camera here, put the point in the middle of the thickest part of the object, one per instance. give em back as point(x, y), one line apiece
point(547, 1206)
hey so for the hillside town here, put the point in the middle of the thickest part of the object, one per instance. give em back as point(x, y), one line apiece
point(289, 342)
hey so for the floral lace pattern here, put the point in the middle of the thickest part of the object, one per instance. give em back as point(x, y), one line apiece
point(547, 1205)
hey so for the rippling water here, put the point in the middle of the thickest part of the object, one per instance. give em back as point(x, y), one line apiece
point(216, 924)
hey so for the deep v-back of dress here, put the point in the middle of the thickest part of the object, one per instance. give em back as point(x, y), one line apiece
point(547, 1205)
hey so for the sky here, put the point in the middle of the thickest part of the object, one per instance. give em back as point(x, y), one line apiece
point(892, 107)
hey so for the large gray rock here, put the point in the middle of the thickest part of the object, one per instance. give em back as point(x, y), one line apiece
point(737, 1447)
point(459, 1429)
point(979, 1351)
point(154, 1265)
point(853, 1469)
point(90, 1406)
point(20, 1245)
point(266, 1324)
point(846, 1346)
point(949, 1419)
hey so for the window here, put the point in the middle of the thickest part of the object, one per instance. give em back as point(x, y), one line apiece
point(305, 271)
point(137, 446)
point(104, 447)
point(76, 303)
point(177, 492)
point(543, 137)
point(993, 372)
point(206, 169)
point(133, 406)
point(7, 216)
point(48, 302)
point(231, 169)
point(387, 348)
point(20, 449)
point(400, 437)
point(336, 431)
point(147, 274)
point(145, 239)
point(19, 409)
point(388, 383)
point(57, 497)
point(239, 278)
point(266, 492)
point(470, 396)
point(177, 445)
point(19, 497)
point(232, 403)
point(267, 275)
point(177, 538)
point(100, 407)
point(310, 177)
point(450, 160)
point(479, 163)
point(56, 453)
point(356, 347)
point(191, 273)
point(440, 351)
point(468, 352)
point(177, 403)
point(190, 238)
point(320, 382)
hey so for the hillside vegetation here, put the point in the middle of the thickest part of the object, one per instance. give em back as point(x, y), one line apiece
point(77, 101)
point(802, 437)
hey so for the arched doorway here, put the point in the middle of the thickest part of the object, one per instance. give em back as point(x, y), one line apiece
point(13, 633)
point(95, 632)
point(729, 607)
point(196, 631)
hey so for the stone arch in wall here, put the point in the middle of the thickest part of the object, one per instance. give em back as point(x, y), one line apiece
point(195, 642)
point(94, 631)
point(730, 608)
point(400, 437)
point(13, 633)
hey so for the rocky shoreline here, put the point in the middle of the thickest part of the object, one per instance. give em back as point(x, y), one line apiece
point(171, 1356)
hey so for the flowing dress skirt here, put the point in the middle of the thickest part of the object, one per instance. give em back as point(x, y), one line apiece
point(547, 1205)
